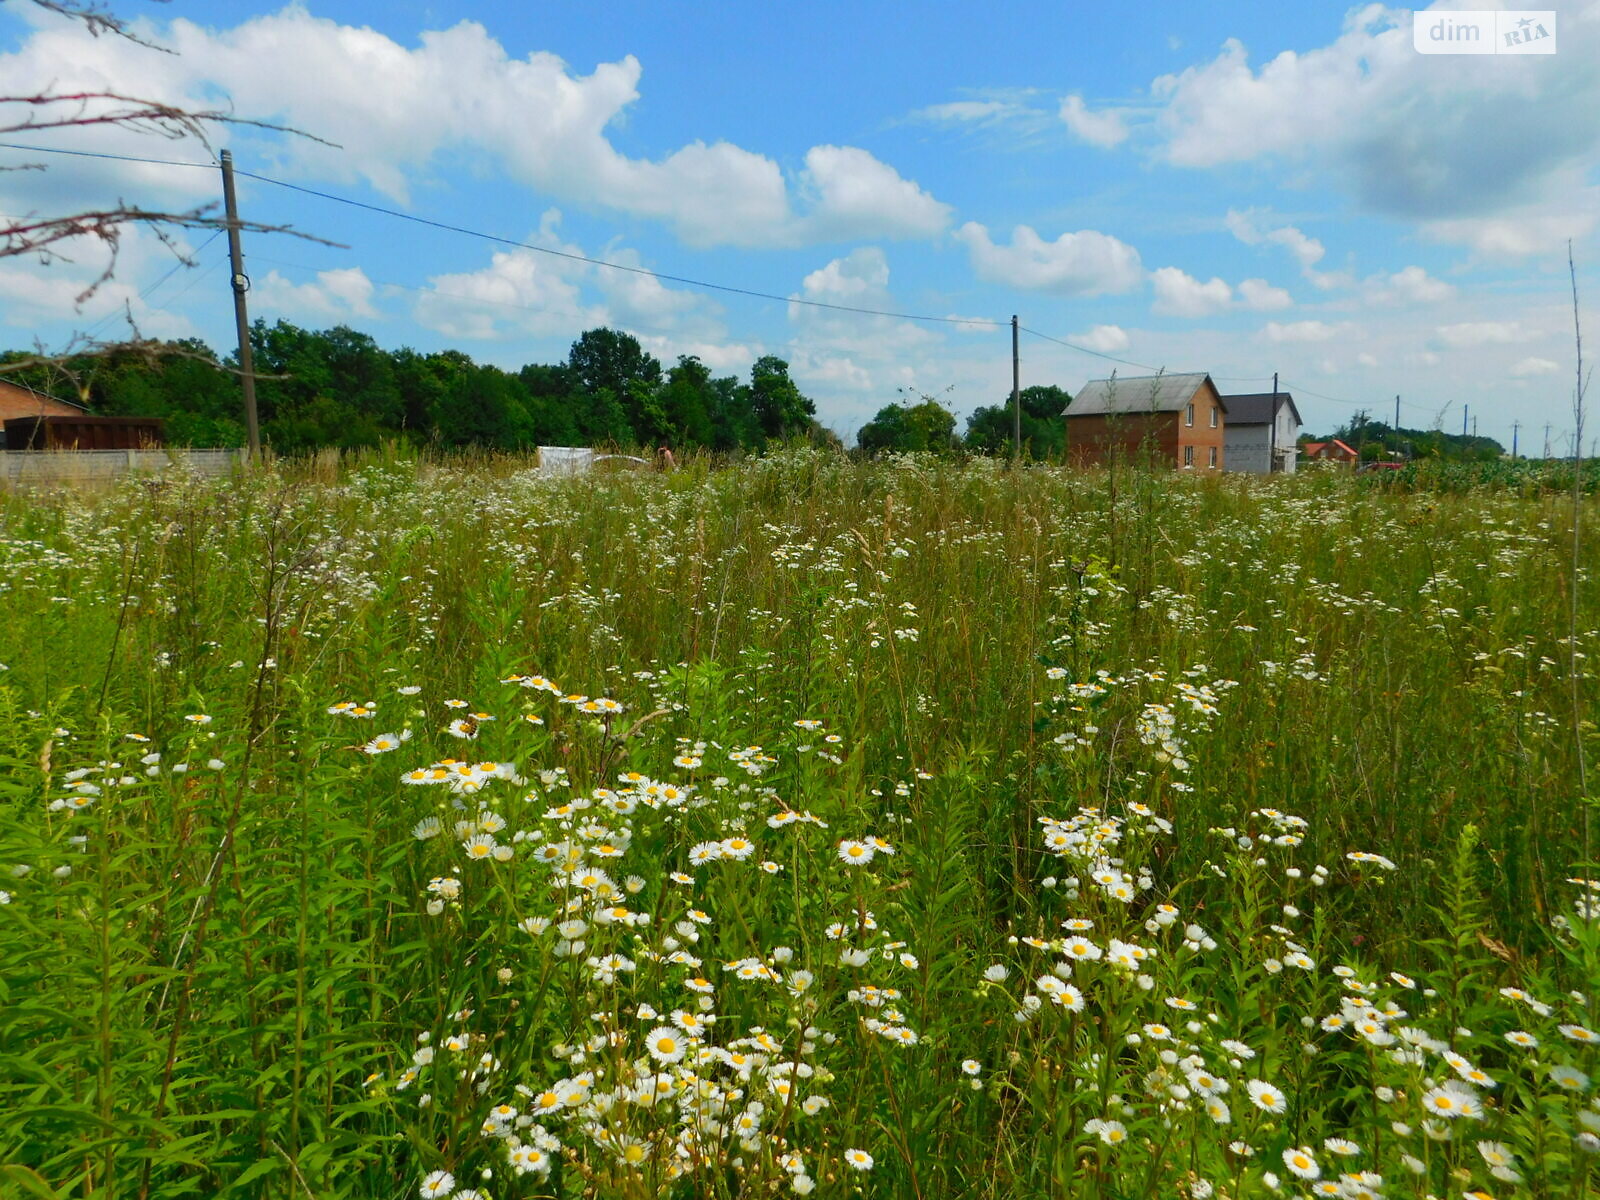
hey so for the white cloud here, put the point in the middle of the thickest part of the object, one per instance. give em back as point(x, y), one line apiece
point(1459, 149)
point(861, 275)
point(1104, 338)
point(1263, 296)
point(74, 292)
point(336, 295)
point(1104, 128)
point(1179, 294)
point(1410, 285)
point(1535, 366)
point(1475, 333)
point(1519, 231)
point(855, 363)
point(1366, 360)
point(1303, 331)
point(1246, 226)
point(964, 111)
point(1086, 263)
point(857, 196)
point(399, 113)
point(523, 293)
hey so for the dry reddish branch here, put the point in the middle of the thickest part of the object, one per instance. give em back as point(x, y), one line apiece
point(83, 109)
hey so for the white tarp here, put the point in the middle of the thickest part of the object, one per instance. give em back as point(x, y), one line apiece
point(565, 460)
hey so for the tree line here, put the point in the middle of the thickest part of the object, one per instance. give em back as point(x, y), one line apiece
point(338, 387)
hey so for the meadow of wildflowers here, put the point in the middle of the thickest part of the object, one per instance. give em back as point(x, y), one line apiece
point(804, 827)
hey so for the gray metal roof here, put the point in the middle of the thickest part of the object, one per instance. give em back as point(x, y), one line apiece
point(1137, 394)
point(1258, 408)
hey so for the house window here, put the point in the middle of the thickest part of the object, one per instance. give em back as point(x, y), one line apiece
point(1188, 456)
point(1188, 415)
point(1213, 463)
point(1213, 420)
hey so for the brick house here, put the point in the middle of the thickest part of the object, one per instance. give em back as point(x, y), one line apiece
point(17, 400)
point(1332, 450)
point(1177, 420)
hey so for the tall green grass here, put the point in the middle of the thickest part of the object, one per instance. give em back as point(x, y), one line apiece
point(219, 956)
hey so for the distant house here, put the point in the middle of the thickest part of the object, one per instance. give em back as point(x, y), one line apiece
point(1332, 450)
point(1178, 419)
point(1262, 432)
point(18, 401)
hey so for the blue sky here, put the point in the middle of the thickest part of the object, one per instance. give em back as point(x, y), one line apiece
point(1243, 189)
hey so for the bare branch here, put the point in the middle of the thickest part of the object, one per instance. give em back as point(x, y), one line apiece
point(136, 113)
point(98, 19)
point(43, 236)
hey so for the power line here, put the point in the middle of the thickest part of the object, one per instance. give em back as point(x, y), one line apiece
point(1085, 350)
point(644, 271)
point(156, 162)
point(513, 242)
point(146, 292)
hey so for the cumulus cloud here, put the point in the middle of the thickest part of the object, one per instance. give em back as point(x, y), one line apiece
point(1262, 296)
point(1303, 331)
point(522, 293)
point(1179, 294)
point(1475, 333)
point(399, 113)
point(857, 196)
point(1246, 226)
point(336, 295)
point(1105, 128)
point(1535, 366)
point(854, 363)
point(1104, 338)
point(74, 291)
point(1410, 285)
point(1086, 263)
point(1452, 148)
point(1541, 227)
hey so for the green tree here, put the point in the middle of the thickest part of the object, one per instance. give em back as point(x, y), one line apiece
point(991, 428)
point(609, 358)
point(779, 407)
point(686, 403)
point(927, 425)
point(484, 406)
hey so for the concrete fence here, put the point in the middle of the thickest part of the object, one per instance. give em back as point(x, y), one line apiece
point(63, 467)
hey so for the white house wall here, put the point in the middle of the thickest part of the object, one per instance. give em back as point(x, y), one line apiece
point(1288, 433)
point(1247, 448)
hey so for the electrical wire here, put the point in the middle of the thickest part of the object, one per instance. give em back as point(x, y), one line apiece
point(146, 292)
point(513, 242)
point(645, 271)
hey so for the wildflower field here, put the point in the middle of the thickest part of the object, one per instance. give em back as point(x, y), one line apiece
point(805, 827)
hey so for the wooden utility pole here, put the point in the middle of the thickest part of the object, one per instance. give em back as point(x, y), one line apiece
point(1515, 425)
point(1016, 392)
point(241, 316)
point(1547, 439)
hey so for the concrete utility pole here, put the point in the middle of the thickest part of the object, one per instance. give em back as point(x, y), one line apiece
point(1465, 408)
point(1016, 392)
point(1272, 429)
point(1515, 425)
point(1397, 416)
point(241, 316)
point(1547, 439)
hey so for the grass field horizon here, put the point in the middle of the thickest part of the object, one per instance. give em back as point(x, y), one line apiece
point(908, 828)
